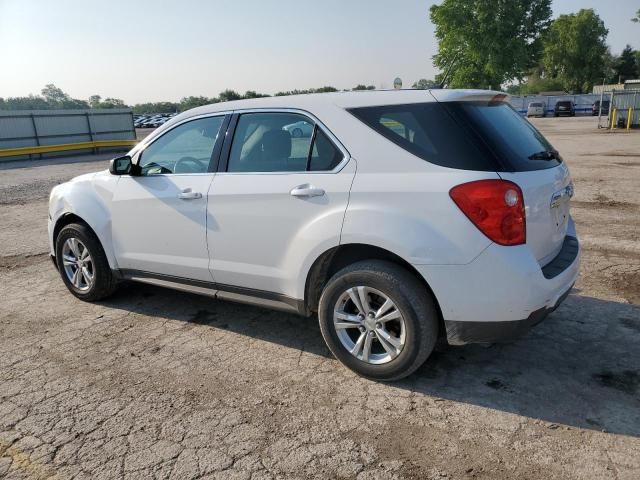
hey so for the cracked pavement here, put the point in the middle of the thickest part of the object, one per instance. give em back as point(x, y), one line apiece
point(161, 384)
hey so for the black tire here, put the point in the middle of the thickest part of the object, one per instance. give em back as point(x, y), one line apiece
point(104, 283)
point(296, 133)
point(412, 299)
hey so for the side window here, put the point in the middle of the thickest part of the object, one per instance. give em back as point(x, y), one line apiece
point(185, 149)
point(280, 142)
point(405, 125)
point(325, 155)
point(271, 142)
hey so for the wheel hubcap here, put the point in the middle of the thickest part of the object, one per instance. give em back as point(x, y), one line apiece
point(78, 264)
point(369, 325)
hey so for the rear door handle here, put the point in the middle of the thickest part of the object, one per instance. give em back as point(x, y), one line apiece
point(187, 194)
point(307, 191)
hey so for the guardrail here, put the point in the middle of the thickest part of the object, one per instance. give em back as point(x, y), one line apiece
point(63, 147)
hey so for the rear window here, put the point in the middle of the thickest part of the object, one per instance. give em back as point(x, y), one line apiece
point(463, 135)
point(428, 131)
point(564, 104)
point(517, 144)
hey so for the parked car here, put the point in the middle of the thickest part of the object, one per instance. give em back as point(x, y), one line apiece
point(564, 107)
point(454, 224)
point(299, 129)
point(535, 109)
point(595, 108)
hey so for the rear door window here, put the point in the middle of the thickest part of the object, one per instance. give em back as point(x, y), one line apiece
point(281, 142)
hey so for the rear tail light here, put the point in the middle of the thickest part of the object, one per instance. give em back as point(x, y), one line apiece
point(496, 207)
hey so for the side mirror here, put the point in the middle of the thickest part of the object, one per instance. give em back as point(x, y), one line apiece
point(121, 165)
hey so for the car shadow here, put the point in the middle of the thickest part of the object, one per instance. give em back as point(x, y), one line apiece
point(580, 367)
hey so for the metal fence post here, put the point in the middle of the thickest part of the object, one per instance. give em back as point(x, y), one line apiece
point(86, 114)
point(35, 133)
point(611, 108)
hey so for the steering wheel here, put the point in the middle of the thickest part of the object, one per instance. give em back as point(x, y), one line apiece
point(188, 165)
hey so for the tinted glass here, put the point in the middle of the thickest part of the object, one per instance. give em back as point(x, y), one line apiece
point(185, 149)
point(428, 131)
point(271, 142)
point(464, 135)
point(325, 155)
point(512, 139)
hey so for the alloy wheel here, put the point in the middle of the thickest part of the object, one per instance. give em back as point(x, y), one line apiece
point(78, 264)
point(369, 325)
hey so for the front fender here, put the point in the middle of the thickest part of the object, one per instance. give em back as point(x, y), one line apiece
point(88, 197)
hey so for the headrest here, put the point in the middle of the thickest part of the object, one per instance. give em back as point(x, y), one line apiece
point(276, 144)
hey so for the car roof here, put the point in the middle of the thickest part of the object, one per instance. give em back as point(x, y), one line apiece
point(351, 99)
point(314, 102)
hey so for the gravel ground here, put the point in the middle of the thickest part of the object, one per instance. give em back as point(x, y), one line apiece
point(160, 384)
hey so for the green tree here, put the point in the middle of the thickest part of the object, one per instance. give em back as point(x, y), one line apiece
point(636, 19)
point(229, 95)
point(425, 84)
point(310, 90)
point(486, 43)
point(253, 94)
point(94, 101)
point(31, 102)
point(56, 98)
point(364, 87)
point(324, 89)
point(624, 66)
point(54, 95)
point(191, 102)
point(112, 103)
point(575, 49)
point(536, 84)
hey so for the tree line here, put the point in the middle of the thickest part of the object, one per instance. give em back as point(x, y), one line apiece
point(52, 97)
point(515, 45)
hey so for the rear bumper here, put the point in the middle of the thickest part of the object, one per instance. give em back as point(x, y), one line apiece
point(503, 292)
point(460, 333)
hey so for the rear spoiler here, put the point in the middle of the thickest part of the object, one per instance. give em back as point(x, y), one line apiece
point(487, 96)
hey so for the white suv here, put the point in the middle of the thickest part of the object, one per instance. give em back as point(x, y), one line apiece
point(404, 216)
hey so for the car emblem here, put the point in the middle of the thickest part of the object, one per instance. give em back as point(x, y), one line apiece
point(557, 197)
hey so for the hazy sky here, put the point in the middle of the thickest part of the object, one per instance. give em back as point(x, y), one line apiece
point(164, 50)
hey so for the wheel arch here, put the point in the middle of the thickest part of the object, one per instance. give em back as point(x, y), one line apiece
point(67, 219)
point(336, 258)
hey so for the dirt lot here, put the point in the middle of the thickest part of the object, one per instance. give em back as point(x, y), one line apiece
point(160, 384)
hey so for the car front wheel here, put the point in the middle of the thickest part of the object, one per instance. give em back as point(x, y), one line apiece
point(83, 264)
point(378, 319)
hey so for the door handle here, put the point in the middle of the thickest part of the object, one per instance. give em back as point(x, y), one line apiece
point(307, 191)
point(187, 194)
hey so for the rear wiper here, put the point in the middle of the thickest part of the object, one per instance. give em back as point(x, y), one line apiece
point(544, 155)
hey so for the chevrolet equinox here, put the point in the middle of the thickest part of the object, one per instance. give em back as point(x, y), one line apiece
point(402, 217)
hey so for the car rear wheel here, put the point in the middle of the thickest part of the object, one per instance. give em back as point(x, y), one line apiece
point(378, 319)
point(83, 264)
